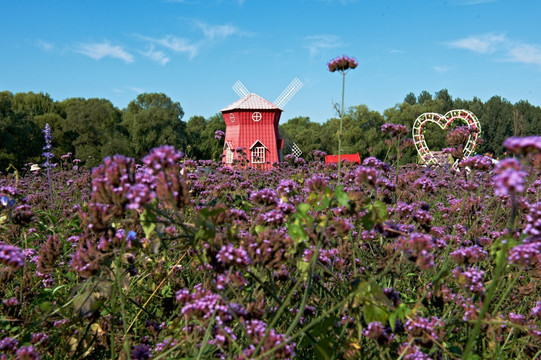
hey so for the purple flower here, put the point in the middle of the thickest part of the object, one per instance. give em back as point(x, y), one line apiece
point(8, 344)
point(12, 301)
point(536, 310)
point(533, 220)
point(229, 255)
point(424, 328)
point(219, 134)
point(342, 64)
point(11, 256)
point(394, 129)
point(509, 177)
point(469, 255)
point(27, 353)
point(265, 197)
point(470, 279)
point(525, 254)
point(141, 352)
point(48, 148)
point(478, 162)
point(523, 145)
point(39, 338)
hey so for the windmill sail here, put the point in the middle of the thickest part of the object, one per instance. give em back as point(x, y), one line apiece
point(288, 93)
point(240, 89)
point(289, 146)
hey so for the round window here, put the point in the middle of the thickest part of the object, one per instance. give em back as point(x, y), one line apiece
point(232, 117)
point(256, 116)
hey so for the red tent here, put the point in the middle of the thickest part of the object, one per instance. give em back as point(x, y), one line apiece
point(333, 159)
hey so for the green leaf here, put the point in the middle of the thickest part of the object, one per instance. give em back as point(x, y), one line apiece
point(46, 307)
point(374, 312)
point(341, 196)
point(148, 222)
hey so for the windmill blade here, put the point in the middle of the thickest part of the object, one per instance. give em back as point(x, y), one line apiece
point(240, 89)
point(288, 93)
point(289, 146)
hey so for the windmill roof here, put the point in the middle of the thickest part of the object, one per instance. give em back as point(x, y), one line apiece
point(251, 102)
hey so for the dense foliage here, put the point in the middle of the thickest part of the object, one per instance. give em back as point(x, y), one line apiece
point(173, 258)
point(91, 129)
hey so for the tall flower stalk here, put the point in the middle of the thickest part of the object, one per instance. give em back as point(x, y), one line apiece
point(341, 64)
point(48, 154)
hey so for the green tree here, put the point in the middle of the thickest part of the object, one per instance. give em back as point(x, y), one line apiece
point(153, 119)
point(410, 99)
point(194, 132)
point(210, 147)
point(93, 128)
point(304, 133)
point(18, 142)
point(424, 96)
point(445, 99)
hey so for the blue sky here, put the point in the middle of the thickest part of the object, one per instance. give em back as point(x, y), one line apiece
point(195, 50)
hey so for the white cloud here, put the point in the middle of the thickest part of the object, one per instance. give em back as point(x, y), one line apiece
point(176, 44)
point(100, 50)
point(507, 49)
point(484, 44)
point(220, 32)
point(136, 89)
point(440, 69)
point(45, 45)
point(525, 53)
point(156, 55)
point(318, 43)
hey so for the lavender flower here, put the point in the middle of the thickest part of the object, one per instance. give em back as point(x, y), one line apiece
point(141, 352)
point(525, 254)
point(229, 255)
point(394, 130)
point(469, 255)
point(509, 178)
point(11, 256)
point(48, 153)
point(523, 145)
point(48, 148)
point(342, 64)
point(219, 134)
point(8, 344)
point(470, 279)
point(27, 353)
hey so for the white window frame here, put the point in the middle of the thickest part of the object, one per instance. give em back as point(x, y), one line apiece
point(228, 154)
point(257, 152)
point(232, 117)
point(256, 116)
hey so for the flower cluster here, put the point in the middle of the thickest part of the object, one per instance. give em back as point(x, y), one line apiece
point(11, 256)
point(523, 145)
point(509, 177)
point(394, 129)
point(342, 64)
point(48, 148)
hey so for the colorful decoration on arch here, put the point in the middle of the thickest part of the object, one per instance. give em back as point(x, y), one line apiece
point(444, 122)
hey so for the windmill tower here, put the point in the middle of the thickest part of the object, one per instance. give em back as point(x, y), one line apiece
point(252, 124)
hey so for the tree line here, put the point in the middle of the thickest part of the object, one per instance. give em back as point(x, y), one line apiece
point(91, 129)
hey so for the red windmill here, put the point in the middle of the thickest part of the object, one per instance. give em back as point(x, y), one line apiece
point(252, 124)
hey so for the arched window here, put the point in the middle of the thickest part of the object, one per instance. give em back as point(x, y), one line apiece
point(228, 153)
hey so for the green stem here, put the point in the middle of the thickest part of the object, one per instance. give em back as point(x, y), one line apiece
point(340, 131)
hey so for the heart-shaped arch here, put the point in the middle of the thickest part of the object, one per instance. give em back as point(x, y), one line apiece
point(443, 121)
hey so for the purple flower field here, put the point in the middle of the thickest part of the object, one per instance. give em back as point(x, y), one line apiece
point(172, 258)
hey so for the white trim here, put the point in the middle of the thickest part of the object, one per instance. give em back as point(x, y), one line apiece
point(258, 141)
point(228, 153)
